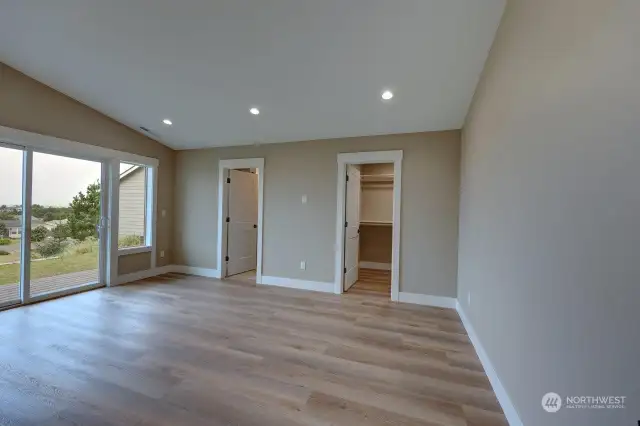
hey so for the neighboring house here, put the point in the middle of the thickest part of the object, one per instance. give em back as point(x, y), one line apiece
point(132, 201)
point(53, 223)
point(15, 226)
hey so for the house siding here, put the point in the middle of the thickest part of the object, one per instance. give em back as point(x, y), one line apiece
point(132, 203)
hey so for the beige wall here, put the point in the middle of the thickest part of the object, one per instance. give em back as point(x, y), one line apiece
point(550, 207)
point(376, 243)
point(377, 169)
point(376, 203)
point(294, 231)
point(26, 104)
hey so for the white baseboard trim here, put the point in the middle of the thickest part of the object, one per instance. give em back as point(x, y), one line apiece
point(424, 299)
point(192, 270)
point(299, 284)
point(375, 265)
point(509, 409)
point(141, 275)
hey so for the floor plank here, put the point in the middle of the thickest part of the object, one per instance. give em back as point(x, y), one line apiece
point(185, 350)
point(372, 282)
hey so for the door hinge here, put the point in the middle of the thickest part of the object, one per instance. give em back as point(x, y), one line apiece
point(255, 226)
point(347, 178)
point(228, 180)
point(345, 270)
point(228, 219)
point(346, 224)
point(226, 258)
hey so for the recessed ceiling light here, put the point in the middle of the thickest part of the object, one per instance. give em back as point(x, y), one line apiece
point(387, 94)
point(167, 122)
point(254, 111)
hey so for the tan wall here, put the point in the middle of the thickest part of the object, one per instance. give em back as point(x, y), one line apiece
point(26, 104)
point(294, 231)
point(376, 204)
point(377, 169)
point(376, 243)
point(550, 207)
point(133, 263)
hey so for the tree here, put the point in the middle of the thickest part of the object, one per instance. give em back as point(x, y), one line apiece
point(50, 248)
point(4, 231)
point(7, 216)
point(85, 213)
point(61, 232)
point(39, 234)
point(37, 210)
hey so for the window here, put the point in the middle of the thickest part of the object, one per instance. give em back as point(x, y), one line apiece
point(135, 206)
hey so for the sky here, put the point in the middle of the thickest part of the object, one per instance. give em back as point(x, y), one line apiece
point(56, 180)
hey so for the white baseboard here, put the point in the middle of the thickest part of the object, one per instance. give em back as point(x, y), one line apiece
point(375, 265)
point(423, 299)
point(299, 284)
point(192, 270)
point(141, 275)
point(509, 409)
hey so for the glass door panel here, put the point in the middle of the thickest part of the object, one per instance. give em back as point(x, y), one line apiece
point(66, 211)
point(11, 163)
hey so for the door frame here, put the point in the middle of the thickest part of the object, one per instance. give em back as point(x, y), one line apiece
point(110, 159)
point(373, 157)
point(223, 208)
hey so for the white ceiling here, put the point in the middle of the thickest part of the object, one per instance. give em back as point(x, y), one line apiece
point(315, 68)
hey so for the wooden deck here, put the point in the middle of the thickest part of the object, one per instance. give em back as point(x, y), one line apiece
point(11, 292)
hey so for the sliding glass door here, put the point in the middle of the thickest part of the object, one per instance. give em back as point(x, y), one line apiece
point(66, 213)
point(52, 238)
point(11, 169)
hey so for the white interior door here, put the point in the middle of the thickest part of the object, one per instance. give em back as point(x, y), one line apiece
point(352, 234)
point(242, 222)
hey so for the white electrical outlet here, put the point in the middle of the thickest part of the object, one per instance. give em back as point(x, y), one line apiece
point(469, 298)
point(303, 265)
point(161, 253)
point(164, 213)
point(304, 199)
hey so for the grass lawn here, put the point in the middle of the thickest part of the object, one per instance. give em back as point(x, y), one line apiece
point(72, 260)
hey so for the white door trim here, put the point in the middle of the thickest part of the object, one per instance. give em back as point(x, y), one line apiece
point(374, 157)
point(241, 163)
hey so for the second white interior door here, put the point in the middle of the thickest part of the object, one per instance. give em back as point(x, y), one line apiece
point(352, 234)
point(242, 232)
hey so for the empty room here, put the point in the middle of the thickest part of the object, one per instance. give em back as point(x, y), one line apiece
point(296, 212)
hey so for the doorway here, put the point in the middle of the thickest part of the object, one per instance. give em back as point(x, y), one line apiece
point(369, 206)
point(240, 199)
point(368, 226)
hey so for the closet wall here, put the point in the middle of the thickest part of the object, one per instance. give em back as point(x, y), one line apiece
point(376, 213)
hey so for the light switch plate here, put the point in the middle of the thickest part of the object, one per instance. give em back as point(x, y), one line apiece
point(304, 199)
point(161, 253)
point(303, 265)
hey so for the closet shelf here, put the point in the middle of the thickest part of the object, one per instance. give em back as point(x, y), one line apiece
point(375, 223)
point(376, 178)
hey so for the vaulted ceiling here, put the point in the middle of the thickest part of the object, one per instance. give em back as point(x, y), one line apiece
point(315, 69)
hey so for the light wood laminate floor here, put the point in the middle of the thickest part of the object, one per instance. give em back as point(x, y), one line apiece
point(184, 350)
point(373, 282)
